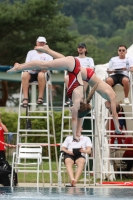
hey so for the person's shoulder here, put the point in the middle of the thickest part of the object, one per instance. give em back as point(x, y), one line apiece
point(85, 137)
point(114, 58)
point(69, 137)
point(129, 58)
point(77, 57)
point(32, 51)
point(87, 140)
point(90, 58)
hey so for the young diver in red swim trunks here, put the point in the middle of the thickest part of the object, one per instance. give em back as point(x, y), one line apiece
point(75, 90)
point(103, 88)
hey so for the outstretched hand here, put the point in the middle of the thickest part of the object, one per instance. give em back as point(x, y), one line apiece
point(44, 48)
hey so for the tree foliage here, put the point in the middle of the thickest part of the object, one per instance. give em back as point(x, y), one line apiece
point(103, 25)
point(100, 17)
point(22, 22)
point(10, 119)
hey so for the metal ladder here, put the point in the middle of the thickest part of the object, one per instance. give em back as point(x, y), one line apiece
point(66, 119)
point(106, 166)
point(23, 135)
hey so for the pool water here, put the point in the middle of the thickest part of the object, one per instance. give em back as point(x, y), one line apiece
point(65, 193)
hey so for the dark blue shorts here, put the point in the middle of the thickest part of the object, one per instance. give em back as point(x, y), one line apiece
point(74, 158)
point(117, 78)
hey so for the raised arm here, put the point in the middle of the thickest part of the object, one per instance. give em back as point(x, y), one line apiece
point(4, 127)
point(46, 49)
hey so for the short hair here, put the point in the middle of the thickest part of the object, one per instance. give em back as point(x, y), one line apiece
point(122, 46)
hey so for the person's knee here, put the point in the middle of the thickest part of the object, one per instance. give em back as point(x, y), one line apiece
point(41, 76)
point(125, 81)
point(80, 162)
point(69, 161)
point(26, 76)
point(109, 81)
point(74, 111)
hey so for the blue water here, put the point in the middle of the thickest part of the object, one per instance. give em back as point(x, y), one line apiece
point(66, 193)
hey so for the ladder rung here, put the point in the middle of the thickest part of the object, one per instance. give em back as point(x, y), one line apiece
point(34, 144)
point(119, 117)
point(110, 131)
point(39, 111)
point(43, 104)
point(23, 135)
point(45, 157)
point(32, 130)
point(66, 130)
point(32, 117)
point(126, 104)
point(90, 135)
point(89, 131)
point(40, 171)
point(67, 117)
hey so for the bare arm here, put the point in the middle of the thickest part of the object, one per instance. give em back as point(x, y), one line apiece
point(87, 150)
point(66, 151)
point(4, 127)
point(49, 51)
point(110, 71)
point(131, 69)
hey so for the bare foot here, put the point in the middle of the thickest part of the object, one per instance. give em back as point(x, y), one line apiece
point(15, 69)
point(73, 182)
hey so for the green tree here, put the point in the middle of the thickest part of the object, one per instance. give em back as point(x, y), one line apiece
point(128, 33)
point(121, 15)
point(23, 21)
point(99, 17)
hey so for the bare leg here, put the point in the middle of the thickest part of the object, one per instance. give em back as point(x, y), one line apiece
point(66, 63)
point(41, 84)
point(69, 164)
point(110, 81)
point(79, 126)
point(77, 97)
point(126, 86)
point(80, 166)
point(85, 86)
point(25, 84)
point(66, 80)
